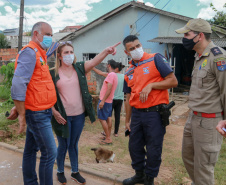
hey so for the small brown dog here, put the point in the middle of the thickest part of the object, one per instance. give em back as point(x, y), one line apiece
point(103, 154)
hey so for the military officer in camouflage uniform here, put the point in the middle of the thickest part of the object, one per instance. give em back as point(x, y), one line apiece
point(207, 101)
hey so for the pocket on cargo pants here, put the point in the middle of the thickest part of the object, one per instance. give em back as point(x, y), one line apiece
point(210, 154)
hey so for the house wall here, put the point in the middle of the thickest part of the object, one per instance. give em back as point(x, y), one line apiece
point(116, 28)
point(104, 35)
point(146, 25)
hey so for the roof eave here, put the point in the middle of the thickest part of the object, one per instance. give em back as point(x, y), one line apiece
point(97, 21)
point(159, 11)
point(118, 10)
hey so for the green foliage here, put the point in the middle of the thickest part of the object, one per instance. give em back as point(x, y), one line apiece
point(4, 123)
point(220, 17)
point(3, 41)
point(211, 5)
point(7, 71)
point(28, 33)
point(4, 93)
point(221, 165)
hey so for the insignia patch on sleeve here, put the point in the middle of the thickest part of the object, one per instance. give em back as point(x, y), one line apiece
point(221, 63)
point(216, 51)
point(164, 60)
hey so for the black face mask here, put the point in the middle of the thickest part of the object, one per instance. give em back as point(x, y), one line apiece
point(189, 43)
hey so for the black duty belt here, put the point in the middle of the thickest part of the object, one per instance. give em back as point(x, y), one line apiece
point(151, 109)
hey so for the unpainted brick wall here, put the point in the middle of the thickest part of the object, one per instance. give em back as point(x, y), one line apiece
point(94, 81)
point(8, 54)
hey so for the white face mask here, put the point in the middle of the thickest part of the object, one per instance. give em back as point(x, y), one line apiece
point(137, 53)
point(68, 59)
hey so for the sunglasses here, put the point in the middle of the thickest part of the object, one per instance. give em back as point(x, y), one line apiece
point(65, 42)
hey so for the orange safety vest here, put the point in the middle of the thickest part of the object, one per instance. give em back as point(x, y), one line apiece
point(138, 77)
point(41, 93)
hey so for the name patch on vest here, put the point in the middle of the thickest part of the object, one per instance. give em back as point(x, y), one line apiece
point(130, 77)
point(146, 70)
point(42, 61)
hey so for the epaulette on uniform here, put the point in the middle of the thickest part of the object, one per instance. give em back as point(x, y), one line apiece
point(216, 51)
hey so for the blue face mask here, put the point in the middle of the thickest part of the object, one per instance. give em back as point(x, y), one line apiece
point(47, 41)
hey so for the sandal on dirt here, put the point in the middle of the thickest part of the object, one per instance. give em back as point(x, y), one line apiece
point(116, 135)
point(103, 138)
point(104, 143)
point(103, 133)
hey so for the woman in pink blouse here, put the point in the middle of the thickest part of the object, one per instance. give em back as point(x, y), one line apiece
point(73, 104)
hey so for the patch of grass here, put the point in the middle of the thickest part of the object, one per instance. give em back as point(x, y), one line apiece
point(5, 122)
point(4, 92)
point(172, 159)
point(220, 168)
point(120, 144)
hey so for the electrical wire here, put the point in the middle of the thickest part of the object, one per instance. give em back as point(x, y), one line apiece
point(154, 16)
point(11, 3)
point(143, 16)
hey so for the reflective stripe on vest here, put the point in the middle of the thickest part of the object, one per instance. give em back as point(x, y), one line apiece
point(138, 77)
point(41, 93)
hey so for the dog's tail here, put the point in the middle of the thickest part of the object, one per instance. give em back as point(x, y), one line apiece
point(94, 149)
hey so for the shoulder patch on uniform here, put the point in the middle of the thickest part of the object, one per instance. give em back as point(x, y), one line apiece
point(220, 59)
point(216, 51)
point(221, 63)
point(164, 59)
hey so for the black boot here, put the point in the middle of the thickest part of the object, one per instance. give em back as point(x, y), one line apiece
point(149, 180)
point(137, 178)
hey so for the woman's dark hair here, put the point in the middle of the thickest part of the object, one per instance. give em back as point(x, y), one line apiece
point(113, 64)
point(120, 66)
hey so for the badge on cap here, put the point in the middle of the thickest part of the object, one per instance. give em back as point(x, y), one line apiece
point(216, 51)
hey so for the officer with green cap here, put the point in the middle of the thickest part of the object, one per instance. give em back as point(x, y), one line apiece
point(207, 101)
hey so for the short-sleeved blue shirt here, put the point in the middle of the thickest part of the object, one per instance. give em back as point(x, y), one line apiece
point(161, 64)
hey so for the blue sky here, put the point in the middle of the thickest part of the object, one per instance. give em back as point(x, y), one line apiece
point(61, 13)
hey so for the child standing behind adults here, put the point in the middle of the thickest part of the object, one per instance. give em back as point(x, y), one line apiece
point(73, 103)
point(118, 96)
point(104, 107)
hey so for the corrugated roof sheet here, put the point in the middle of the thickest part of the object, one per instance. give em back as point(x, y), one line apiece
point(178, 40)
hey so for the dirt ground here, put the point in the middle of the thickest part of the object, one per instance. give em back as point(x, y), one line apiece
point(90, 137)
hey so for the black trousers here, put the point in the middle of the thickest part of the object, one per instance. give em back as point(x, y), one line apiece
point(116, 106)
point(145, 141)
